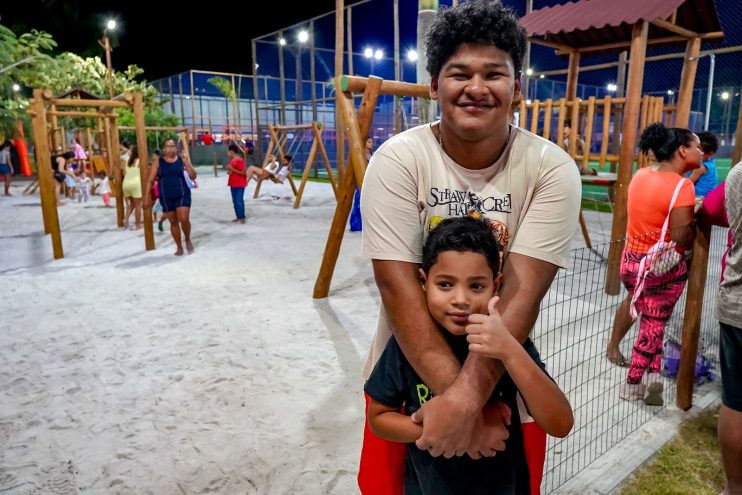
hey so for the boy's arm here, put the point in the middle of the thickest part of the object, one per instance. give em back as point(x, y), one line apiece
point(489, 337)
point(546, 402)
point(388, 423)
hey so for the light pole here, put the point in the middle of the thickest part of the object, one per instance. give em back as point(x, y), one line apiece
point(106, 44)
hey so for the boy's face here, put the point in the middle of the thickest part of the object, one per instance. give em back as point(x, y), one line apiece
point(475, 90)
point(459, 284)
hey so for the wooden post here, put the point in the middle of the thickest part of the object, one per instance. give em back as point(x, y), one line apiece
point(193, 106)
point(606, 130)
point(305, 175)
point(737, 151)
point(115, 163)
point(347, 187)
point(692, 317)
point(55, 128)
point(588, 133)
point(317, 130)
point(560, 122)
point(572, 75)
point(44, 169)
point(547, 119)
point(149, 237)
point(626, 156)
point(534, 116)
point(575, 126)
point(687, 81)
point(339, 134)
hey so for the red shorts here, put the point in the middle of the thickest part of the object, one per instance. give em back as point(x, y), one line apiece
point(382, 462)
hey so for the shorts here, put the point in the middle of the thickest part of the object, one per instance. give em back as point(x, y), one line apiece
point(730, 354)
point(4, 169)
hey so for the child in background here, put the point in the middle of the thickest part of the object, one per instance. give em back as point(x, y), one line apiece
point(104, 188)
point(705, 177)
point(84, 186)
point(157, 207)
point(460, 277)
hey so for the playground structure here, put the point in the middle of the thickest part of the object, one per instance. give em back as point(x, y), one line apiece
point(45, 106)
point(279, 141)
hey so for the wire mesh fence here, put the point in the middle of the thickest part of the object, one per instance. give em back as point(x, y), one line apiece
point(572, 334)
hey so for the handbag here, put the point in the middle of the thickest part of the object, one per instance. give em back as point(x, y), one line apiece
point(660, 258)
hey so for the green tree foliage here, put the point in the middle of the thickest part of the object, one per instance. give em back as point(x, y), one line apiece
point(25, 60)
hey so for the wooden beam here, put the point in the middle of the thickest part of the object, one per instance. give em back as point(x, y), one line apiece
point(687, 82)
point(149, 237)
point(114, 161)
point(46, 180)
point(346, 190)
point(692, 317)
point(339, 40)
point(61, 113)
point(153, 128)
point(88, 103)
point(550, 44)
point(674, 28)
point(356, 84)
point(626, 161)
point(572, 74)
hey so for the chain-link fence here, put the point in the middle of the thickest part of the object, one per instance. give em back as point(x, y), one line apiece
point(572, 334)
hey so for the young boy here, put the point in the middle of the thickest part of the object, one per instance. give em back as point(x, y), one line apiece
point(237, 182)
point(460, 277)
point(704, 177)
point(104, 189)
point(84, 186)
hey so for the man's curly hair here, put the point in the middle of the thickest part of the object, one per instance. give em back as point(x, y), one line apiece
point(479, 22)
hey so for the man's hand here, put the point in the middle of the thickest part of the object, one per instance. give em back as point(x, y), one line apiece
point(447, 426)
point(449, 429)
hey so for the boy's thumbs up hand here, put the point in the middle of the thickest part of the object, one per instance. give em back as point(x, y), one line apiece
point(487, 334)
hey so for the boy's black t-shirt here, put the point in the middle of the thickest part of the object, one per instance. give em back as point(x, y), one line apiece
point(394, 383)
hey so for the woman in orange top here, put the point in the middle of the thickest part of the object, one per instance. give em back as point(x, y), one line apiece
point(650, 194)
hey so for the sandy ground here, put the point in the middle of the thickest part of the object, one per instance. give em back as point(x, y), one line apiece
point(125, 371)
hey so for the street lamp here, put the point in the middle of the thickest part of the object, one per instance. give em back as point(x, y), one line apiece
point(106, 44)
point(368, 53)
point(303, 36)
point(282, 41)
point(529, 72)
point(412, 55)
point(725, 95)
point(611, 87)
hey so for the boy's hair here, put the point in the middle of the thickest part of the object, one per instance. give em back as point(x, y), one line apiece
point(709, 141)
point(462, 234)
point(288, 158)
point(478, 22)
point(234, 149)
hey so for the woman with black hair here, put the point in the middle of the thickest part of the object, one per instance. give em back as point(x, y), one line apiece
point(60, 164)
point(653, 269)
point(174, 192)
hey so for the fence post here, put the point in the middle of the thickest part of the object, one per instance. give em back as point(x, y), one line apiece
point(692, 317)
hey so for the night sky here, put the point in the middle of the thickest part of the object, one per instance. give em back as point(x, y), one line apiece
point(162, 37)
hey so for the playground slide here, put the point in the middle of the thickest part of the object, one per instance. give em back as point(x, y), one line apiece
point(20, 146)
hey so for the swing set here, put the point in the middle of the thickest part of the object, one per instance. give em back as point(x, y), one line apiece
point(295, 136)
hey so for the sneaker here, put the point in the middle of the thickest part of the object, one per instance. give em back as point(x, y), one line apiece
point(653, 391)
point(159, 226)
point(631, 391)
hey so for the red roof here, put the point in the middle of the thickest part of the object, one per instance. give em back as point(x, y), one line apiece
point(593, 22)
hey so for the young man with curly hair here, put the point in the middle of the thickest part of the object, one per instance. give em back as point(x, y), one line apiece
point(471, 162)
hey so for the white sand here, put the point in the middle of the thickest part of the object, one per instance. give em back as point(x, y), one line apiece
point(123, 371)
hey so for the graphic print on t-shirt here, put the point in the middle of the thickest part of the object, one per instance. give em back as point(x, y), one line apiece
point(467, 203)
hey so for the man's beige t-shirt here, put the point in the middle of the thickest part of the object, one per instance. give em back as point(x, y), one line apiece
point(530, 196)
